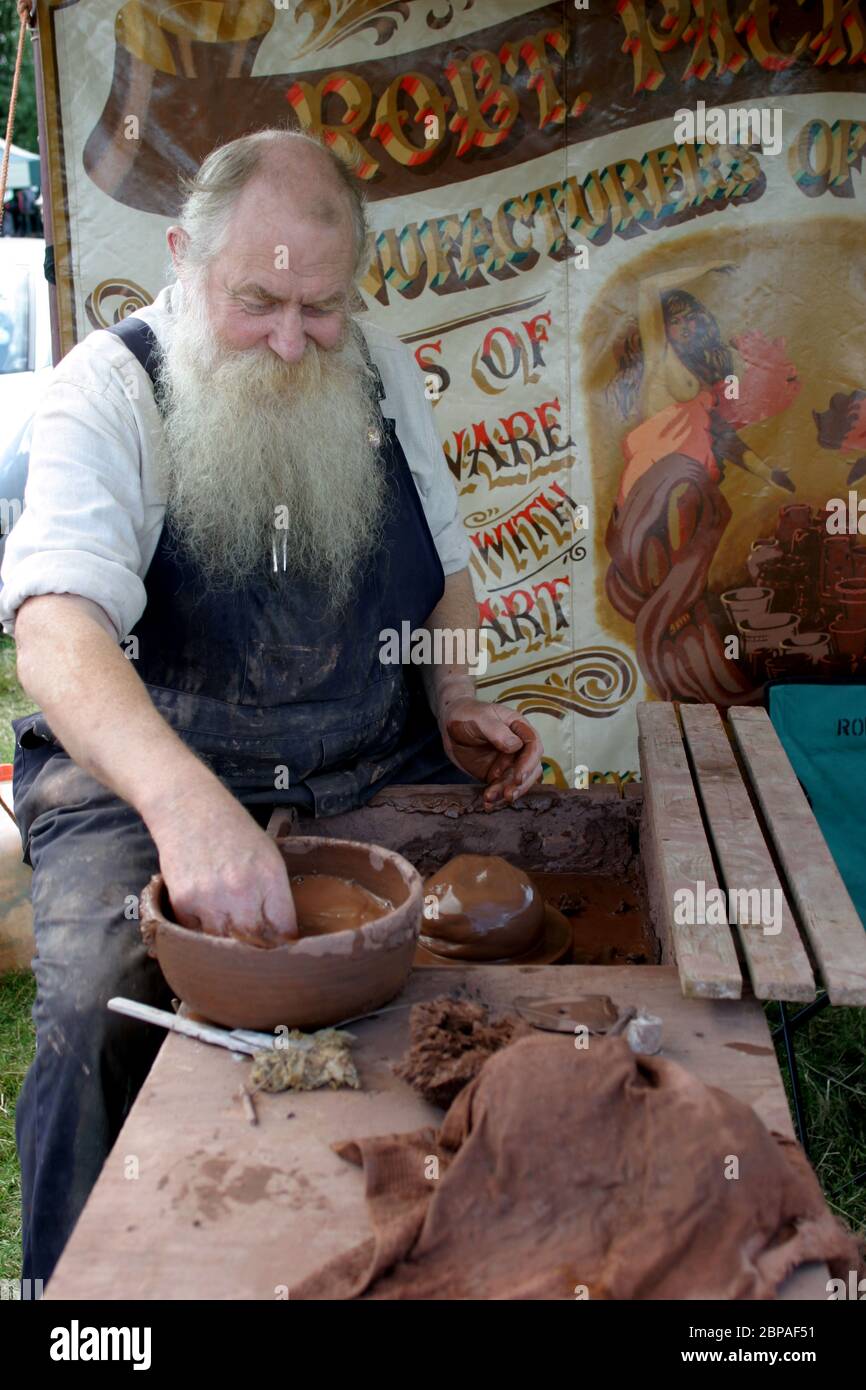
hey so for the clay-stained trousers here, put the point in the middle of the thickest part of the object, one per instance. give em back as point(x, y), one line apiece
point(91, 856)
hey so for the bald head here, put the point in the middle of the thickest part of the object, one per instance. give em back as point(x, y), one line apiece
point(284, 168)
point(271, 239)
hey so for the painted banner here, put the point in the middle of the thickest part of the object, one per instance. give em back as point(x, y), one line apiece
point(625, 242)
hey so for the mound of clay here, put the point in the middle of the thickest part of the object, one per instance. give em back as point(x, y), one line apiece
point(449, 1042)
point(486, 909)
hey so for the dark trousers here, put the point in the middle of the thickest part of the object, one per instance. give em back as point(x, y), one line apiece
point(91, 856)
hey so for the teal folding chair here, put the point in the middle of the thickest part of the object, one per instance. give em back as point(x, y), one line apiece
point(821, 725)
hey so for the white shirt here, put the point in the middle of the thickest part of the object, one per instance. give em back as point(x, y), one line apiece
point(94, 503)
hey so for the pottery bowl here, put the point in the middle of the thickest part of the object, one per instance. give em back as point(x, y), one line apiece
point(767, 630)
point(311, 982)
point(812, 645)
point(748, 602)
point(851, 593)
point(850, 640)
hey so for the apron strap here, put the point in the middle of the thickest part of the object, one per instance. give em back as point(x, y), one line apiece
point(140, 339)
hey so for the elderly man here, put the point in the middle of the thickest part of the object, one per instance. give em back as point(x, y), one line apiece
point(198, 585)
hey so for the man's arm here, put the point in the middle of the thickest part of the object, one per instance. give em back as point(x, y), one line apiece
point(493, 743)
point(456, 611)
point(220, 868)
point(490, 742)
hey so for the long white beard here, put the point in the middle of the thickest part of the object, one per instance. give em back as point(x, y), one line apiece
point(269, 463)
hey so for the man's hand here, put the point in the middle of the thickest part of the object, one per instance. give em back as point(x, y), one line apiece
point(224, 875)
point(493, 744)
point(222, 871)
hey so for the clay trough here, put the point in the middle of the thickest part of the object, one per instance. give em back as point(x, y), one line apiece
point(580, 848)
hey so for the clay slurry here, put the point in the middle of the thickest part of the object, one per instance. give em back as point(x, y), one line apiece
point(325, 903)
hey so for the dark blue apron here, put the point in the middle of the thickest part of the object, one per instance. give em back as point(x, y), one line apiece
point(288, 705)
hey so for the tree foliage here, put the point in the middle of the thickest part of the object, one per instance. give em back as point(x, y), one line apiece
point(26, 127)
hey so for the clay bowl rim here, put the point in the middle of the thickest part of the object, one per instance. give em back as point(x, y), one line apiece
point(155, 890)
point(749, 625)
point(761, 591)
point(839, 625)
point(797, 642)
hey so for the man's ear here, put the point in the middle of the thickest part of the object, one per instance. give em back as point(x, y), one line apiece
point(177, 240)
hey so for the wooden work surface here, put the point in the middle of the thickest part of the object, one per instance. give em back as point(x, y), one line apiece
point(222, 1209)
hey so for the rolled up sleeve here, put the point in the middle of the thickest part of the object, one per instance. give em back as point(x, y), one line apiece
point(83, 507)
point(439, 496)
point(409, 407)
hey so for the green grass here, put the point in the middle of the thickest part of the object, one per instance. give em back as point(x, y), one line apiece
point(16, 1052)
point(13, 701)
point(830, 1051)
point(16, 999)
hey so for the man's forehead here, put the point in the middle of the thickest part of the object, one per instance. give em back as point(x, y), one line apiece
point(259, 227)
point(286, 282)
point(284, 271)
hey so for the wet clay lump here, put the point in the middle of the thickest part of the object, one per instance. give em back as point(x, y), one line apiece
point(486, 909)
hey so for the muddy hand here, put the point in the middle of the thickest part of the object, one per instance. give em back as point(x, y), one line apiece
point(495, 745)
point(224, 875)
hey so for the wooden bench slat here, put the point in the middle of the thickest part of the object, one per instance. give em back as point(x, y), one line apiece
point(704, 953)
point(829, 917)
point(778, 964)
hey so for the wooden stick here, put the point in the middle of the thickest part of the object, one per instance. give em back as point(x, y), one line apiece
point(249, 1105)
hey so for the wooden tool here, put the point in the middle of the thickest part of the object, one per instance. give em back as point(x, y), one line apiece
point(239, 1040)
point(596, 1012)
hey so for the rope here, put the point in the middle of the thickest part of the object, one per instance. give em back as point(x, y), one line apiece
point(10, 813)
point(23, 7)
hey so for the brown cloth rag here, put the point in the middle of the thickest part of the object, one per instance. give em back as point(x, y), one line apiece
point(562, 1167)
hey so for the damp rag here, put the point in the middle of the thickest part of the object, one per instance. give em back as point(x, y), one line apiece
point(561, 1173)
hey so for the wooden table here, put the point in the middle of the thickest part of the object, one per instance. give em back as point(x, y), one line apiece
point(221, 1209)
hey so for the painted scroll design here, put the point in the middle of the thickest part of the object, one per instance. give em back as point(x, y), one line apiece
point(600, 681)
point(96, 305)
point(334, 20)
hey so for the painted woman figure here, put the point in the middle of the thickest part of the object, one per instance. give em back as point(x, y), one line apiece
point(670, 513)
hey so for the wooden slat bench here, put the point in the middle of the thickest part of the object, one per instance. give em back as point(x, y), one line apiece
point(728, 813)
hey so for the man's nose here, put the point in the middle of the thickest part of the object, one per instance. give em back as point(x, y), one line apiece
point(288, 340)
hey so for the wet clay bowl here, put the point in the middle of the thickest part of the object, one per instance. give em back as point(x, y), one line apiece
point(311, 982)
